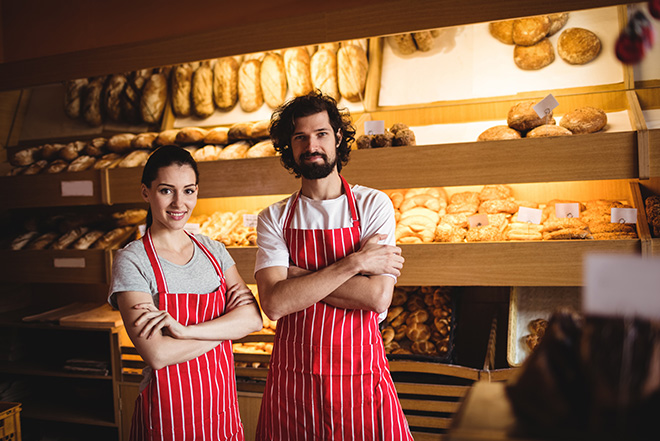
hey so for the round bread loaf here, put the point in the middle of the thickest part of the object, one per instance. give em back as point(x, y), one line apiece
point(578, 46)
point(502, 30)
point(418, 332)
point(530, 30)
point(548, 130)
point(584, 120)
point(499, 132)
point(557, 21)
point(523, 117)
point(534, 57)
point(424, 348)
point(419, 316)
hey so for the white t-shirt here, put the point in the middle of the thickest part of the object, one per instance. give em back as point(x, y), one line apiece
point(375, 212)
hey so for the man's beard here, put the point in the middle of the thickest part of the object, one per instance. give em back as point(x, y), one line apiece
point(315, 170)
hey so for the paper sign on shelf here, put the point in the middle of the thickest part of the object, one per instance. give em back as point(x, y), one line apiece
point(623, 215)
point(69, 262)
point(545, 106)
point(622, 285)
point(374, 127)
point(478, 220)
point(531, 215)
point(250, 220)
point(77, 188)
point(567, 210)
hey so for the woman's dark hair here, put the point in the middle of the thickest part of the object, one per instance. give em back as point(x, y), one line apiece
point(164, 157)
point(282, 125)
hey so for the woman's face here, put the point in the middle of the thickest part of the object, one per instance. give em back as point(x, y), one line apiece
point(172, 196)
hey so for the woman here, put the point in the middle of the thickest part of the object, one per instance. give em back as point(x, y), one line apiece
point(182, 301)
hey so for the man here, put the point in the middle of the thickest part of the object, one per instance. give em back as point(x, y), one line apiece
point(325, 271)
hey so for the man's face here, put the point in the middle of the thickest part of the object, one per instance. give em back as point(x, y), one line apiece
point(314, 146)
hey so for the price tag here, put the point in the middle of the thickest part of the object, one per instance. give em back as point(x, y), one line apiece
point(192, 228)
point(478, 220)
point(567, 210)
point(545, 106)
point(623, 216)
point(621, 285)
point(374, 127)
point(531, 215)
point(69, 262)
point(77, 188)
point(250, 220)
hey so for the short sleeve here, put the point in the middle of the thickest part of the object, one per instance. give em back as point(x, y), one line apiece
point(272, 249)
point(128, 274)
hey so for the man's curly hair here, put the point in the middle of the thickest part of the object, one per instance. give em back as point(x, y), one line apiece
point(282, 125)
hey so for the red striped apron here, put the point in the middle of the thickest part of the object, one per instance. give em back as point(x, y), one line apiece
point(196, 399)
point(329, 377)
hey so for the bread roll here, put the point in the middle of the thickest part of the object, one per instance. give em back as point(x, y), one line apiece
point(218, 135)
point(403, 43)
point(404, 137)
point(557, 21)
point(136, 158)
point(190, 135)
point(181, 87)
point(154, 96)
point(494, 206)
point(529, 31)
point(81, 163)
point(578, 46)
point(419, 316)
point(261, 149)
point(323, 70)
point(534, 57)
point(225, 83)
point(298, 74)
point(235, 151)
point(497, 133)
point(250, 96)
point(112, 96)
point(92, 102)
point(548, 130)
point(273, 80)
point(130, 99)
point(166, 137)
point(502, 30)
point(523, 117)
point(202, 91)
point(144, 140)
point(73, 96)
point(393, 313)
point(584, 120)
point(57, 166)
point(423, 40)
point(418, 332)
point(352, 67)
point(121, 143)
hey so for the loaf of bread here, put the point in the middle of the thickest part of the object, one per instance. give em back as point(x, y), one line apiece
point(446, 232)
point(530, 30)
point(250, 95)
point(578, 46)
point(36, 167)
point(81, 163)
point(96, 147)
point(144, 140)
point(491, 192)
point(136, 158)
point(68, 238)
point(494, 206)
point(113, 239)
point(261, 149)
point(584, 120)
point(202, 91)
point(498, 132)
point(352, 67)
point(225, 83)
point(166, 137)
point(523, 117)
point(323, 70)
point(57, 166)
point(88, 239)
point(273, 80)
point(502, 30)
point(20, 241)
point(26, 156)
point(240, 131)
point(218, 135)
point(121, 143)
point(548, 130)
point(130, 99)
point(403, 43)
point(109, 160)
point(557, 21)
point(207, 153)
point(534, 57)
point(112, 96)
point(153, 99)
point(334, 47)
point(73, 95)
point(181, 87)
point(92, 102)
point(132, 216)
point(42, 242)
point(236, 150)
point(71, 151)
point(50, 151)
point(423, 40)
point(190, 135)
point(298, 73)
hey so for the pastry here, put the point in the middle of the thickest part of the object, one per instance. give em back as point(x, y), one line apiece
point(584, 120)
point(534, 57)
point(578, 46)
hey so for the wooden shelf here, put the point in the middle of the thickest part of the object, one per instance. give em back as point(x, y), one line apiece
point(81, 266)
point(38, 369)
point(58, 410)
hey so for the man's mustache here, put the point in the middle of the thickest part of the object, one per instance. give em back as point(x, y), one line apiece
point(312, 155)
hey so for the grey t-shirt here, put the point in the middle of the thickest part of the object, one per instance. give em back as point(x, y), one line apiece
point(131, 271)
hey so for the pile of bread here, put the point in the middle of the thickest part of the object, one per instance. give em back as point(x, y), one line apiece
point(410, 42)
point(79, 231)
point(533, 49)
point(258, 348)
point(652, 205)
point(228, 227)
point(426, 215)
point(523, 121)
point(419, 321)
point(241, 140)
point(397, 135)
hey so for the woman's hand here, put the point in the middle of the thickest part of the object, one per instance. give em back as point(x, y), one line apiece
point(154, 320)
point(238, 295)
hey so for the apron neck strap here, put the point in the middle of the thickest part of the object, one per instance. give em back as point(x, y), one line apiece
point(155, 263)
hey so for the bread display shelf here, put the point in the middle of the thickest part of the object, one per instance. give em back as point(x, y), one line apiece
point(55, 266)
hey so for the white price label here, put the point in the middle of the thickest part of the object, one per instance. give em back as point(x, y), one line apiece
point(77, 188)
point(374, 127)
point(567, 210)
point(623, 215)
point(250, 220)
point(478, 220)
point(622, 285)
point(531, 215)
point(69, 262)
point(544, 107)
point(192, 228)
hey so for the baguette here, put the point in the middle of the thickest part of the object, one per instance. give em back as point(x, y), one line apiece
point(20, 241)
point(71, 151)
point(218, 135)
point(121, 143)
point(190, 135)
point(136, 158)
point(114, 238)
point(96, 147)
point(57, 166)
point(68, 238)
point(36, 167)
point(261, 149)
point(51, 151)
point(144, 140)
point(107, 161)
point(81, 163)
point(88, 239)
